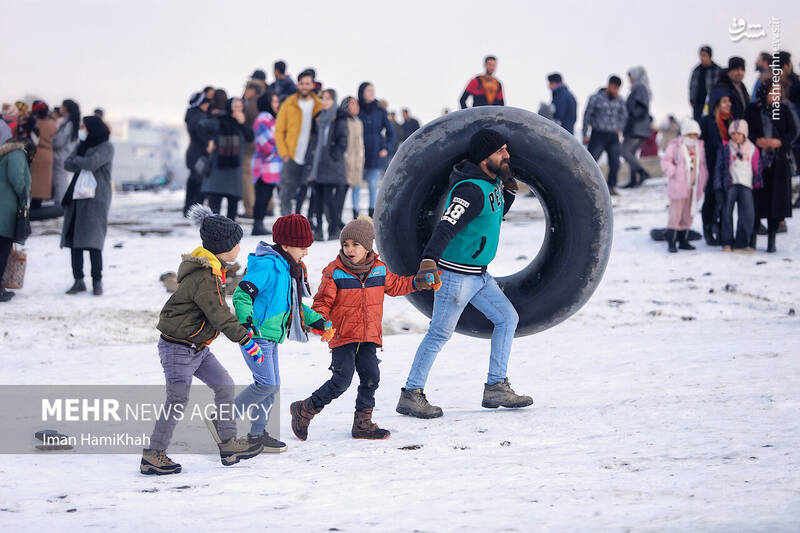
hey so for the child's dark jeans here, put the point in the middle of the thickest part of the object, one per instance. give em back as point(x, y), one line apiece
point(347, 359)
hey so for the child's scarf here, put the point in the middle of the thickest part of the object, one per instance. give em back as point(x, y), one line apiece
point(300, 288)
point(358, 268)
point(692, 173)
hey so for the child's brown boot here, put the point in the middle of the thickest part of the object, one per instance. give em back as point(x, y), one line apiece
point(302, 413)
point(365, 428)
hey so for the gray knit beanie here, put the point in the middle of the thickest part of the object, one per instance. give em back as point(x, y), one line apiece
point(219, 234)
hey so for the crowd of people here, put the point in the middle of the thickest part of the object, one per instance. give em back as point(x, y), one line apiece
point(55, 154)
point(739, 151)
point(294, 145)
point(294, 137)
point(301, 140)
point(739, 155)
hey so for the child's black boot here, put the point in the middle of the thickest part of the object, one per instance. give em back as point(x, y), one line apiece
point(669, 236)
point(683, 240)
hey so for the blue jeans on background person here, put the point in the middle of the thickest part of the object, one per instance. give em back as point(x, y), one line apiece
point(449, 302)
point(266, 383)
point(372, 176)
point(742, 197)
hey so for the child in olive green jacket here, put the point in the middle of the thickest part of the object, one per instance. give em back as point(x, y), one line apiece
point(193, 317)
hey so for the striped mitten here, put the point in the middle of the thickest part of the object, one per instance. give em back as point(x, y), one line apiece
point(255, 352)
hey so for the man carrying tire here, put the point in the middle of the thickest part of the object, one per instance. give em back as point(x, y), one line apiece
point(462, 245)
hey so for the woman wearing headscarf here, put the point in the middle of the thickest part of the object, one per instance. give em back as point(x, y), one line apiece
point(42, 166)
point(714, 127)
point(228, 130)
point(637, 128)
point(325, 165)
point(772, 128)
point(353, 156)
point(64, 142)
point(198, 148)
point(16, 155)
point(266, 163)
point(86, 219)
point(378, 137)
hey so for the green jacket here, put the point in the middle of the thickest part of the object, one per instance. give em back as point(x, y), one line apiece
point(476, 244)
point(15, 182)
point(465, 239)
point(197, 312)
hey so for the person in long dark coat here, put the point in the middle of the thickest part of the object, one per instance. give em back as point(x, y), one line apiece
point(325, 165)
point(773, 128)
point(714, 127)
point(198, 147)
point(637, 126)
point(229, 131)
point(86, 220)
point(64, 142)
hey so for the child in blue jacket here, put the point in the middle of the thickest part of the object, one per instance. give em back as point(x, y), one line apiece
point(269, 301)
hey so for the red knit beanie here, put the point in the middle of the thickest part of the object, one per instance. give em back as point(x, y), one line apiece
point(292, 230)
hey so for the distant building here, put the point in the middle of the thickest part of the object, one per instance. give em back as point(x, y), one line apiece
point(143, 151)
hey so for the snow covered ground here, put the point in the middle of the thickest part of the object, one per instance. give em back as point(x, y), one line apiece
point(669, 402)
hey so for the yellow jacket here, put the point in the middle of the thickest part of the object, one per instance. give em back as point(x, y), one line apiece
point(289, 122)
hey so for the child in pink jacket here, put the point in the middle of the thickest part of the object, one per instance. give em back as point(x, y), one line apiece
point(684, 163)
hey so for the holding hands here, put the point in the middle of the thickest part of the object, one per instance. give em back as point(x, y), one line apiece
point(327, 332)
point(428, 276)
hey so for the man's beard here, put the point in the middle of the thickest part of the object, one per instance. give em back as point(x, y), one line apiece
point(502, 170)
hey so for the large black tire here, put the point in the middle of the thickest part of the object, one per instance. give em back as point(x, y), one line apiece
point(565, 178)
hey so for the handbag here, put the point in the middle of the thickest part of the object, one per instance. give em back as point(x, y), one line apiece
point(85, 186)
point(203, 166)
point(14, 275)
point(22, 224)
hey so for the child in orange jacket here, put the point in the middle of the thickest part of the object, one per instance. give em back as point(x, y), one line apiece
point(351, 297)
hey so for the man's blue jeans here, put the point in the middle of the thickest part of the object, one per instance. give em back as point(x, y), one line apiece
point(449, 302)
point(260, 395)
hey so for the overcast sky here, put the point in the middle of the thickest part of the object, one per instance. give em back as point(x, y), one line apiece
point(144, 58)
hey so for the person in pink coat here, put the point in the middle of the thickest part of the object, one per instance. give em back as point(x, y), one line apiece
point(684, 163)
